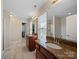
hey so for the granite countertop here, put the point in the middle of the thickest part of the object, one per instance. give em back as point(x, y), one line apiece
point(64, 53)
point(31, 35)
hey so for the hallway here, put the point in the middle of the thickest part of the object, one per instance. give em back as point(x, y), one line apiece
point(18, 51)
point(39, 29)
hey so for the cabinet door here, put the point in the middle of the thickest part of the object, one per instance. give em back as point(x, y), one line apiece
point(46, 53)
point(31, 44)
point(39, 55)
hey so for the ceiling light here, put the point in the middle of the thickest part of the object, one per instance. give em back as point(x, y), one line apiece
point(34, 17)
point(11, 15)
point(54, 1)
point(69, 13)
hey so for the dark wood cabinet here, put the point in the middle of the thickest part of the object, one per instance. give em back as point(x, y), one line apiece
point(30, 42)
point(42, 53)
point(39, 55)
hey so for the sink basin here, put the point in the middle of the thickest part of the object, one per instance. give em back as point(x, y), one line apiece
point(54, 46)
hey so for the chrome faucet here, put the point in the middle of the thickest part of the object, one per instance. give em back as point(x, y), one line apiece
point(56, 41)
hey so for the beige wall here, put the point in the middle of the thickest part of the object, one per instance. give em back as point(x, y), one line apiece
point(57, 27)
point(15, 29)
point(6, 22)
point(64, 27)
point(49, 24)
point(54, 27)
point(71, 28)
point(12, 29)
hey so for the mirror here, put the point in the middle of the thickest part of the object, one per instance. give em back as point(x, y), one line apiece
point(42, 26)
point(61, 24)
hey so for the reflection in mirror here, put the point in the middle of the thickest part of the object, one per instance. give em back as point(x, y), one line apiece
point(62, 25)
point(42, 26)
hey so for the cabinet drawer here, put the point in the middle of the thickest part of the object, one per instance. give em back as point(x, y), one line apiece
point(46, 53)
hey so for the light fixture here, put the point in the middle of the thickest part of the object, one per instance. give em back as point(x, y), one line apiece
point(34, 17)
point(69, 13)
point(11, 15)
point(54, 1)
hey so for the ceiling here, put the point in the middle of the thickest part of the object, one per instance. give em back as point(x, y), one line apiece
point(22, 8)
point(64, 8)
point(25, 8)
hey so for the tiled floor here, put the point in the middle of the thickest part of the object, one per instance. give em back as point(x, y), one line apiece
point(18, 51)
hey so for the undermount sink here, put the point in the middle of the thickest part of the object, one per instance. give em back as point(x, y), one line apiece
point(54, 46)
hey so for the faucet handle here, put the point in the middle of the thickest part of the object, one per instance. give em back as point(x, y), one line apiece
point(57, 41)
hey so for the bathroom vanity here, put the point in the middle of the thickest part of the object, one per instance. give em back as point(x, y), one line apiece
point(43, 51)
